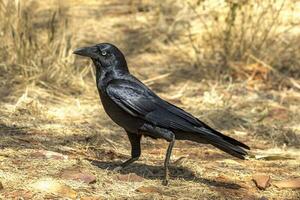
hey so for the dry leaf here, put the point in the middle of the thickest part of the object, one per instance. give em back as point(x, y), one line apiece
point(78, 174)
point(18, 194)
point(252, 72)
point(289, 183)
point(222, 178)
point(261, 181)
point(129, 177)
point(279, 114)
point(148, 189)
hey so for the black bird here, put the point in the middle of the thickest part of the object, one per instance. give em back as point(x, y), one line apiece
point(137, 109)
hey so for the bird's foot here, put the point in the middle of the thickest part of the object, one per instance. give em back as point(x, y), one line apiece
point(165, 182)
point(118, 169)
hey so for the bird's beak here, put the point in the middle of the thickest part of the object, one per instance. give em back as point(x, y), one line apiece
point(87, 52)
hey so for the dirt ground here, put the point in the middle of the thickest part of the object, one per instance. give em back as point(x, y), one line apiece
point(84, 138)
point(58, 143)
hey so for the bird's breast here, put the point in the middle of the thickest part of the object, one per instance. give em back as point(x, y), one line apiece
point(118, 115)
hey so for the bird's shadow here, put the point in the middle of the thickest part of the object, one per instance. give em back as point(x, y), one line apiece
point(156, 172)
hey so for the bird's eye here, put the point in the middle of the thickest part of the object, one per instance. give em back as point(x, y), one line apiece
point(103, 53)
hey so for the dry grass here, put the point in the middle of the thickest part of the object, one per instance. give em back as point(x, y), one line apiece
point(234, 64)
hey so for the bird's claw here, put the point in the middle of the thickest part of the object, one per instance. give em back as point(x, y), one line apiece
point(117, 169)
point(165, 182)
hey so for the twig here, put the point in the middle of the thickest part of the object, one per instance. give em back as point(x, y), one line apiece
point(111, 143)
point(261, 62)
point(294, 83)
point(150, 80)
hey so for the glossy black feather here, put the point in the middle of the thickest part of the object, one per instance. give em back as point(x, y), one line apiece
point(133, 106)
point(139, 101)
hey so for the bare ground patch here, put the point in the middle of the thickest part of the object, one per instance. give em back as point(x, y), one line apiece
point(76, 133)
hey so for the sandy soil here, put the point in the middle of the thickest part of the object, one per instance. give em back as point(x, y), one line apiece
point(80, 132)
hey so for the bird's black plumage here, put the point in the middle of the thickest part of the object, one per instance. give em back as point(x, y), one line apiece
point(137, 109)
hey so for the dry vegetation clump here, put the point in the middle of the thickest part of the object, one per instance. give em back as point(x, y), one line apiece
point(36, 43)
point(234, 64)
point(37, 38)
point(236, 34)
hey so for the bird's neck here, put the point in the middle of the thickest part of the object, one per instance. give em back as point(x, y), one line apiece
point(105, 74)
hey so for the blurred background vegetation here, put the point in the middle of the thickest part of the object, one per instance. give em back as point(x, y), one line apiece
point(211, 37)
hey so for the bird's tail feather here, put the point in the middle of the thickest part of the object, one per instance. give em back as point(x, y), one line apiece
point(222, 142)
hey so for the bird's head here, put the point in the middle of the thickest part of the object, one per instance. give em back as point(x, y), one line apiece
point(104, 55)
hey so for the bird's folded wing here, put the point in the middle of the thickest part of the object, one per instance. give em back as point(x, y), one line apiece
point(140, 101)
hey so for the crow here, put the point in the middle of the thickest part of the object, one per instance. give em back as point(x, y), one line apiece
point(137, 109)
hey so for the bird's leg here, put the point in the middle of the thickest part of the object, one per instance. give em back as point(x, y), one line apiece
point(135, 141)
point(166, 134)
point(167, 160)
